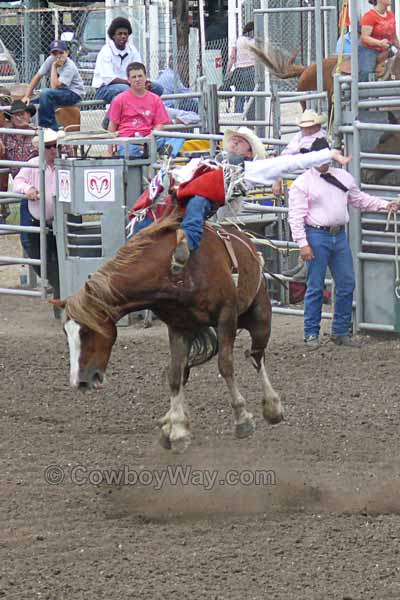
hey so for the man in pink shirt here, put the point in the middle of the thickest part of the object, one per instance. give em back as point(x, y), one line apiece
point(136, 112)
point(310, 124)
point(318, 213)
point(27, 181)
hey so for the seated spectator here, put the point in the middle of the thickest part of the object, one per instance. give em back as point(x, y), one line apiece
point(15, 146)
point(378, 33)
point(172, 83)
point(109, 77)
point(183, 117)
point(27, 182)
point(136, 112)
point(66, 85)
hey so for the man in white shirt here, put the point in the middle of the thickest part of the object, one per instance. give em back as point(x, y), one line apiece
point(110, 77)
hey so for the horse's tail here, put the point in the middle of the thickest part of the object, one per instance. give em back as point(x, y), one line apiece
point(278, 63)
point(203, 348)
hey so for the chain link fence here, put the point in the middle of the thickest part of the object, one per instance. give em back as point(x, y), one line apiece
point(27, 34)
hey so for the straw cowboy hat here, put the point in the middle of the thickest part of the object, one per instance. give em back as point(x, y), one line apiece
point(247, 134)
point(310, 118)
point(50, 136)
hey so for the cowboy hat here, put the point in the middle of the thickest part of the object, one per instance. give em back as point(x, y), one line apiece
point(18, 106)
point(50, 136)
point(310, 118)
point(247, 134)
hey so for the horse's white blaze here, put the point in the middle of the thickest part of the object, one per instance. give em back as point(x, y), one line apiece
point(74, 342)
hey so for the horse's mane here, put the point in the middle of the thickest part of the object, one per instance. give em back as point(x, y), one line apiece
point(99, 299)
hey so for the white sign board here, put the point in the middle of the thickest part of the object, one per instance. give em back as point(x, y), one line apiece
point(99, 185)
point(64, 186)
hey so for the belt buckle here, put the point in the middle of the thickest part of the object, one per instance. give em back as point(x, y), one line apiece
point(335, 229)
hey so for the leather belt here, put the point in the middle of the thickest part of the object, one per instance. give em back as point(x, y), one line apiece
point(332, 229)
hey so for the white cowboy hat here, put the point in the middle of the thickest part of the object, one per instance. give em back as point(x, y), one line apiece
point(49, 136)
point(310, 118)
point(257, 146)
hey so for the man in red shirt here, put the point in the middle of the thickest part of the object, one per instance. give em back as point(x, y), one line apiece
point(136, 112)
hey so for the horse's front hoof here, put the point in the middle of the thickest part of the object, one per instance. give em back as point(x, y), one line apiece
point(273, 411)
point(245, 429)
point(164, 440)
point(180, 445)
point(274, 419)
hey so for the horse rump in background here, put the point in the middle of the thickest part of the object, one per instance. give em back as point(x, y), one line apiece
point(282, 65)
point(204, 295)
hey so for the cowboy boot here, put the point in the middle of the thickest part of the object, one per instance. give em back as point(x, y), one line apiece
point(181, 254)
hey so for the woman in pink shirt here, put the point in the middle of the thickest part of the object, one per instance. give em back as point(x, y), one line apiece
point(27, 182)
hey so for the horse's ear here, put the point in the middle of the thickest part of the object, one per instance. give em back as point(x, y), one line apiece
point(59, 303)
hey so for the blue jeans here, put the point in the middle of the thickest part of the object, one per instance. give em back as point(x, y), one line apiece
point(24, 219)
point(331, 251)
point(366, 62)
point(198, 209)
point(49, 100)
point(244, 80)
point(136, 151)
point(108, 92)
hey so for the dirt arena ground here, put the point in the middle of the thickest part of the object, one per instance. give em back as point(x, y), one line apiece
point(328, 529)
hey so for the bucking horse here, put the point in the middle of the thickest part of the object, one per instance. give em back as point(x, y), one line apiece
point(207, 294)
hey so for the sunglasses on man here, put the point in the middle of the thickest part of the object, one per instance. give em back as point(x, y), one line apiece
point(48, 146)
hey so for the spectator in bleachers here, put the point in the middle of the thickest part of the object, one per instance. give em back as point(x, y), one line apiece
point(137, 111)
point(172, 83)
point(109, 77)
point(66, 85)
point(15, 146)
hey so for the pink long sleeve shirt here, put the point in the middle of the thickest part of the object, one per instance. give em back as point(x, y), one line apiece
point(27, 178)
point(313, 201)
point(300, 141)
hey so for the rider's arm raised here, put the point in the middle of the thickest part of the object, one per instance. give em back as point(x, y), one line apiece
point(266, 171)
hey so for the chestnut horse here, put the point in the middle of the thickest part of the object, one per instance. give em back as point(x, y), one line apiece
point(285, 68)
point(204, 295)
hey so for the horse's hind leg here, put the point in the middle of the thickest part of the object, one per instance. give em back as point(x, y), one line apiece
point(175, 429)
point(244, 422)
point(257, 321)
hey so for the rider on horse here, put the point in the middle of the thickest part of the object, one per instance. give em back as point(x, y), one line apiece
point(203, 193)
point(201, 187)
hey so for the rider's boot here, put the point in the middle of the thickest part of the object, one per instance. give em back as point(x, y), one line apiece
point(181, 254)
